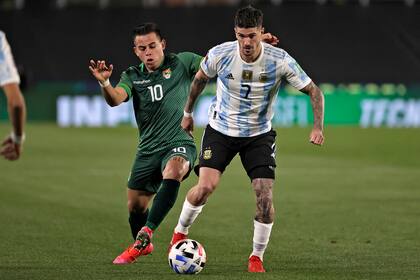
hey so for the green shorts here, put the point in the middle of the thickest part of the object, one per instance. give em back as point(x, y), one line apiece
point(146, 173)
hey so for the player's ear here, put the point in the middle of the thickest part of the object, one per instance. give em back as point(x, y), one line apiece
point(262, 30)
point(163, 44)
point(135, 50)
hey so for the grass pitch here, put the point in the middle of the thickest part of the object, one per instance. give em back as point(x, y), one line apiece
point(347, 210)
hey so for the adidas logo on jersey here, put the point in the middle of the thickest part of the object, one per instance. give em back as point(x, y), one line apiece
point(229, 76)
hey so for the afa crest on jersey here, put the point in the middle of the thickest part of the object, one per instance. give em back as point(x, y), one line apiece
point(247, 75)
point(207, 154)
point(167, 73)
point(263, 77)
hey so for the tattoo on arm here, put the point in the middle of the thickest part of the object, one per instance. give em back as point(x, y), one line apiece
point(317, 101)
point(197, 86)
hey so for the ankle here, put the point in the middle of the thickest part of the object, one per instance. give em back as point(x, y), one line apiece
point(148, 230)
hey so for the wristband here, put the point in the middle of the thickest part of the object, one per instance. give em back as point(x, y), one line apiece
point(187, 115)
point(105, 83)
point(17, 139)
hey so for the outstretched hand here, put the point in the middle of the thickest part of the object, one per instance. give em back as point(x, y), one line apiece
point(100, 70)
point(9, 149)
point(187, 124)
point(270, 39)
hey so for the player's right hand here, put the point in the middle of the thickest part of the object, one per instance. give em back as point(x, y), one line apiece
point(9, 149)
point(187, 124)
point(100, 70)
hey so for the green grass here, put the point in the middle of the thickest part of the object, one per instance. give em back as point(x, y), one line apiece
point(347, 210)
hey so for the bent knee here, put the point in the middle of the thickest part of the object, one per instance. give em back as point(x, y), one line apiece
point(206, 188)
point(135, 206)
point(174, 174)
point(176, 169)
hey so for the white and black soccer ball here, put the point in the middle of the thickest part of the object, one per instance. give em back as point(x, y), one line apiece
point(187, 257)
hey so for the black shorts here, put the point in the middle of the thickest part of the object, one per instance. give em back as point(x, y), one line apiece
point(257, 153)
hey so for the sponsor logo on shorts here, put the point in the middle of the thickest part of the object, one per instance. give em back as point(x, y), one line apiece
point(207, 154)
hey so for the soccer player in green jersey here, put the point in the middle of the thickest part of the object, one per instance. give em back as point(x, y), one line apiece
point(159, 87)
point(166, 153)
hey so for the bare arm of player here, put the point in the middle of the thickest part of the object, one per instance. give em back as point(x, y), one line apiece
point(317, 101)
point(12, 145)
point(197, 86)
point(102, 72)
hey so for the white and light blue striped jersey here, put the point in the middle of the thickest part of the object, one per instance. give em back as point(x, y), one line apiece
point(8, 71)
point(246, 91)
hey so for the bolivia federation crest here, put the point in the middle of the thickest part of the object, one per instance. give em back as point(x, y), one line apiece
point(167, 73)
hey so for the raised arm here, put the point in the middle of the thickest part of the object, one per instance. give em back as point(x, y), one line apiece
point(12, 145)
point(197, 86)
point(317, 101)
point(102, 72)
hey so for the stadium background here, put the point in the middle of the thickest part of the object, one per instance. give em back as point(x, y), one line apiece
point(348, 210)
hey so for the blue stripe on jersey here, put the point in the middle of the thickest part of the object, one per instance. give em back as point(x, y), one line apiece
point(298, 70)
point(244, 108)
point(225, 61)
point(224, 104)
point(270, 68)
point(276, 55)
point(222, 115)
point(224, 48)
point(2, 57)
point(273, 51)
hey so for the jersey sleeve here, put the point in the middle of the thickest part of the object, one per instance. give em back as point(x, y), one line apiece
point(191, 62)
point(294, 74)
point(209, 64)
point(126, 83)
point(8, 70)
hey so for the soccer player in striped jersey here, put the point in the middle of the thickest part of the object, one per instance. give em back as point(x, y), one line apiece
point(248, 73)
point(11, 147)
point(159, 87)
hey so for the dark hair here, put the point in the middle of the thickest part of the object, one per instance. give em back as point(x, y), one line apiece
point(146, 28)
point(248, 17)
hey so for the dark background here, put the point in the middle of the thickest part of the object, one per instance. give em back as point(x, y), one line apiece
point(333, 43)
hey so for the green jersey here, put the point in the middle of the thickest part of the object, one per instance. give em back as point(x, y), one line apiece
point(159, 98)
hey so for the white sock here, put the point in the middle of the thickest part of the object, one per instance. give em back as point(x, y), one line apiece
point(188, 215)
point(261, 236)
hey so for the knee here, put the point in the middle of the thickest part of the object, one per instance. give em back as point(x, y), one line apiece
point(173, 173)
point(176, 169)
point(206, 188)
point(135, 206)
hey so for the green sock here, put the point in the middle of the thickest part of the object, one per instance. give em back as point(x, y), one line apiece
point(163, 202)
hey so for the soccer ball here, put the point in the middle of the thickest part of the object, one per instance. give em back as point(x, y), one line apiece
point(187, 257)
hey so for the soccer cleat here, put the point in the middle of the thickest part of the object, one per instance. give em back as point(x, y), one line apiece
point(143, 246)
point(255, 264)
point(176, 236)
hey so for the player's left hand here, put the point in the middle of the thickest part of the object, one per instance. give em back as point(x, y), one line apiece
point(270, 39)
point(316, 137)
point(10, 150)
